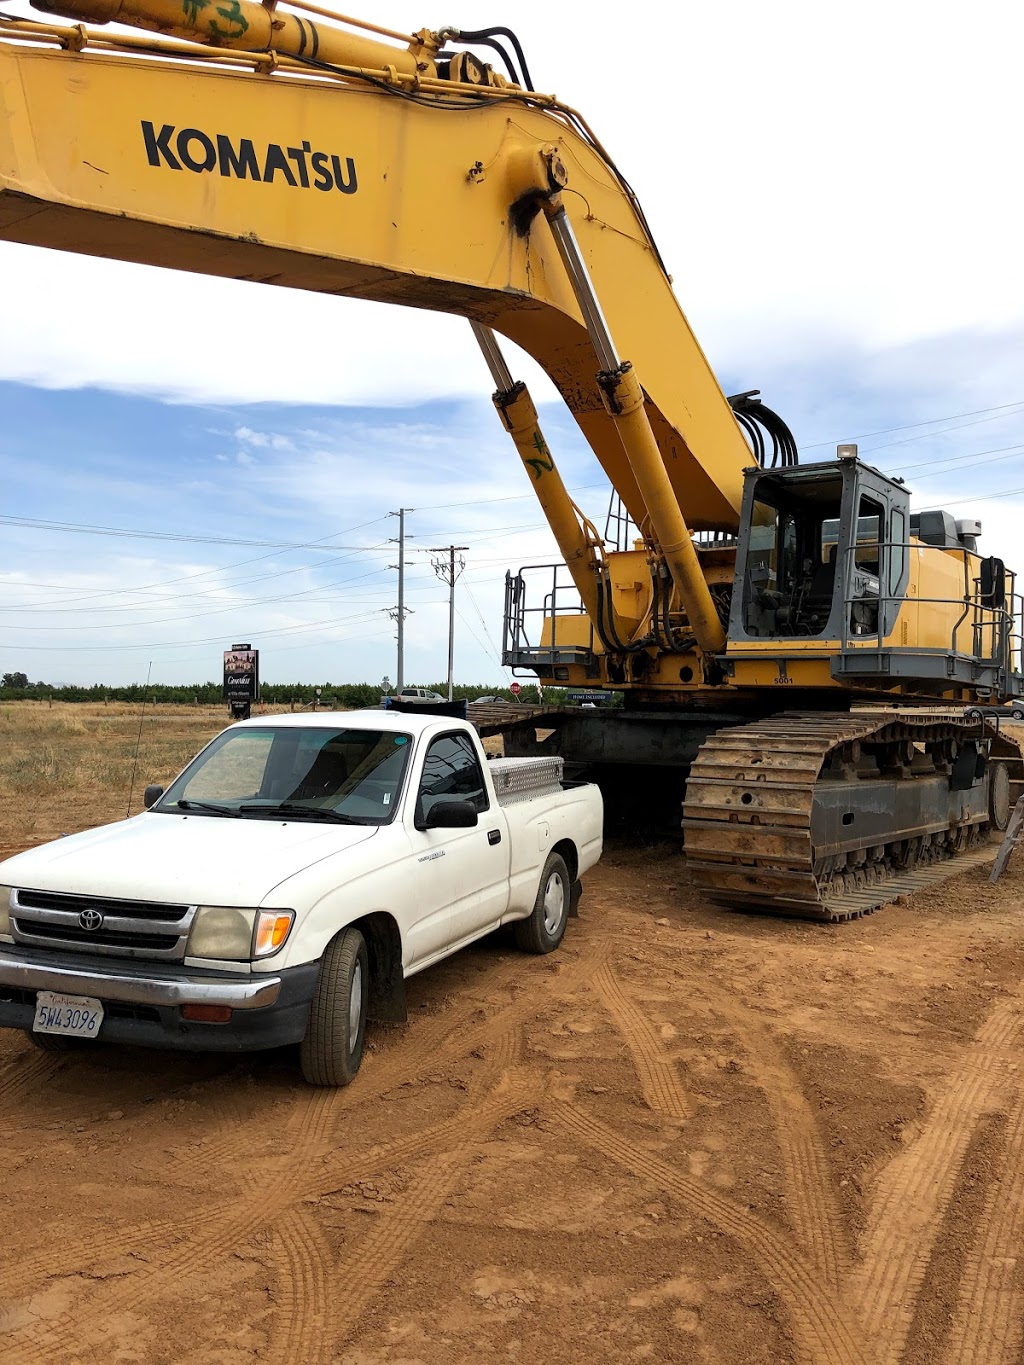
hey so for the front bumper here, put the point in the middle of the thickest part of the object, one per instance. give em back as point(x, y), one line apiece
point(142, 1001)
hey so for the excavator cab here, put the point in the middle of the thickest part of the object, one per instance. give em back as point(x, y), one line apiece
point(822, 553)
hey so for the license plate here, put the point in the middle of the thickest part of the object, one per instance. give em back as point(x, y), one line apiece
point(76, 1016)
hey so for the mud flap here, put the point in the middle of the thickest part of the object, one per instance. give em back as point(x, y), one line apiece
point(386, 1003)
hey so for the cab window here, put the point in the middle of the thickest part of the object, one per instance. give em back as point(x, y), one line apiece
point(451, 772)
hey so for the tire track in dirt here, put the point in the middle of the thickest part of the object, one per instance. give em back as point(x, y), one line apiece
point(988, 1328)
point(913, 1192)
point(658, 1073)
point(21, 1076)
point(821, 1327)
point(447, 1038)
point(396, 1232)
point(299, 1330)
point(428, 1043)
point(306, 1295)
point(809, 1193)
point(312, 1124)
point(228, 1225)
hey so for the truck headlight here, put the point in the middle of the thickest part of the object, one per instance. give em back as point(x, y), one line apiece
point(5, 909)
point(235, 935)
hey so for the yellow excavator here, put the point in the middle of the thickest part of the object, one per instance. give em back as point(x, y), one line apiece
point(794, 646)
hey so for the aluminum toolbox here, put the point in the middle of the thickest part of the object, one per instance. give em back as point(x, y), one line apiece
point(520, 779)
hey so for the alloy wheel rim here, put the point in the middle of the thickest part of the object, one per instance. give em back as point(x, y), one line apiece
point(554, 902)
point(355, 1005)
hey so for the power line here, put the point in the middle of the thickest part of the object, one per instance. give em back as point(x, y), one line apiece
point(121, 533)
point(177, 644)
point(480, 642)
point(515, 497)
point(495, 655)
point(910, 426)
point(205, 573)
point(928, 435)
point(240, 603)
point(972, 497)
point(959, 459)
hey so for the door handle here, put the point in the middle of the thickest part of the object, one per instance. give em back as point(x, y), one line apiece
point(494, 836)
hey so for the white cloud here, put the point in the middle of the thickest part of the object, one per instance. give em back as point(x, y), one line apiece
point(263, 440)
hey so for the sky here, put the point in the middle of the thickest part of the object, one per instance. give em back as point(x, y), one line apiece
point(189, 462)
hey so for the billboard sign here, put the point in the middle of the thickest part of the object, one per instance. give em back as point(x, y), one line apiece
point(241, 675)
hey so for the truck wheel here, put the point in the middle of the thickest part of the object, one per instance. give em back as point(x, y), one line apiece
point(333, 1046)
point(543, 930)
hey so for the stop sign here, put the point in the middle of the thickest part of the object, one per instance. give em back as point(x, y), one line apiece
point(515, 689)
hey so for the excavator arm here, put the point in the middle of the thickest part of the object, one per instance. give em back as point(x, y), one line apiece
point(378, 172)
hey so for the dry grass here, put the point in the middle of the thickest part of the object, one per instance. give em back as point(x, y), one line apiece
point(68, 766)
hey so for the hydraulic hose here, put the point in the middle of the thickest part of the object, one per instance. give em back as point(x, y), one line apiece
point(757, 420)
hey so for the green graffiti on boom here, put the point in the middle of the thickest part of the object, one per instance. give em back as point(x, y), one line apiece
point(545, 462)
point(232, 14)
point(192, 8)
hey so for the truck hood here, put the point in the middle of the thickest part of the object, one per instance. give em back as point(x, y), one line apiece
point(183, 858)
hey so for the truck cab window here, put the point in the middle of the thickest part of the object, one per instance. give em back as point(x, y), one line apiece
point(451, 772)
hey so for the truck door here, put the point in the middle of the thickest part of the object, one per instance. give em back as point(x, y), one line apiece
point(461, 885)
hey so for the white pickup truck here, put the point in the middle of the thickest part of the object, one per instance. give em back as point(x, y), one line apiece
point(286, 884)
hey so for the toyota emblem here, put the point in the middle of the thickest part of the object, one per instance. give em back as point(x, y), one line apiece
point(90, 919)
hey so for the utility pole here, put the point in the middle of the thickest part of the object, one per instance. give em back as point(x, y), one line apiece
point(400, 614)
point(448, 571)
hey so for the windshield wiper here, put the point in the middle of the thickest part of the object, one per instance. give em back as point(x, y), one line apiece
point(296, 809)
point(185, 804)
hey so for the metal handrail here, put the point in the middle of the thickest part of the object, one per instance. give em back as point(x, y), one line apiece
point(559, 601)
point(1005, 623)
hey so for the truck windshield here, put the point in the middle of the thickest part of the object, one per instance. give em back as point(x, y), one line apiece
point(294, 772)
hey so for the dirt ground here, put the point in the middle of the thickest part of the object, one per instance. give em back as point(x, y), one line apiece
point(688, 1135)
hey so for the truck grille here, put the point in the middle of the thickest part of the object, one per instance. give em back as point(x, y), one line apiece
point(101, 924)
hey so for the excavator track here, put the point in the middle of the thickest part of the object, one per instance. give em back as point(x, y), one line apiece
point(832, 816)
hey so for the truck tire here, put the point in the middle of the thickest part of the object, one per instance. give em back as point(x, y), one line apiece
point(332, 1049)
point(542, 931)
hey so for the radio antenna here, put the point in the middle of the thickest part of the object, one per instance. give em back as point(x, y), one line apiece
point(138, 740)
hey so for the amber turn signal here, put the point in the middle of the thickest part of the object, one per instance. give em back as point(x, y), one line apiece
point(271, 931)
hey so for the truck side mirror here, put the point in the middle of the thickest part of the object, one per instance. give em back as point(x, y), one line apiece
point(152, 794)
point(450, 815)
point(993, 582)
